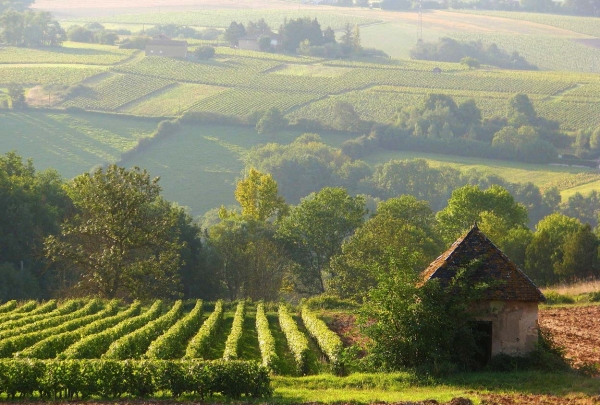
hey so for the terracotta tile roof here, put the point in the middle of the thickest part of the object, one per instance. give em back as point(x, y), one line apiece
point(165, 40)
point(514, 285)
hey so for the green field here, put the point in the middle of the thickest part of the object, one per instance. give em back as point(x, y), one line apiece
point(70, 144)
point(222, 18)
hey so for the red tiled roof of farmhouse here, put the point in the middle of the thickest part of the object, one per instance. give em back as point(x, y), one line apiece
point(165, 40)
point(514, 285)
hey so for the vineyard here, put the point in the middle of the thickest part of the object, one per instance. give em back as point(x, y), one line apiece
point(191, 331)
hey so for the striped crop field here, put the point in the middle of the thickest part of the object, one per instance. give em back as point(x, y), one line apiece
point(97, 329)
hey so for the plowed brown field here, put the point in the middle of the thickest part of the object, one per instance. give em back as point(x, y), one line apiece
point(577, 329)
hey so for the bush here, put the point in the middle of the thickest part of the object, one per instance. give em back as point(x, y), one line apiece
point(204, 52)
point(553, 297)
point(112, 379)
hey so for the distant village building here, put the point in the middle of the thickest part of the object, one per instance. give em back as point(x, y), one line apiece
point(249, 42)
point(161, 45)
point(252, 42)
point(508, 312)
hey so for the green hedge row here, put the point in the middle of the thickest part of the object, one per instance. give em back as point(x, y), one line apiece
point(55, 344)
point(136, 378)
point(8, 306)
point(136, 343)
point(43, 321)
point(265, 338)
point(200, 343)
point(172, 344)
point(237, 329)
point(329, 342)
point(297, 341)
point(94, 346)
point(15, 343)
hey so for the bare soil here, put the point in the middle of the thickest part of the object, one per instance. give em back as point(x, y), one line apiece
point(577, 330)
point(522, 399)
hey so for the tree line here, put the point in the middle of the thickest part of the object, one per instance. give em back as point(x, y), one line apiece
point(20, 26)
point(110, 232)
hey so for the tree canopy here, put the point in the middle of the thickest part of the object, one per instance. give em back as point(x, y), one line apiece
point(122, 239)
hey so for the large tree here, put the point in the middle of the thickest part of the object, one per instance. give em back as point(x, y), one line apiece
point(468, 203)
point(32, 205)
point(400, 224)
point(122, 240)
point(315, 229)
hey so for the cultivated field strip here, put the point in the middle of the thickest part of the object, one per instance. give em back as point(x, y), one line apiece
point(116, 91)
point(19, 342)
point(231, 351)
point(94, 346)
point(41, 74)
point(52, 345)
point(199, 344)
point(134, 344)
point(111, 330)
point(242, 102)
point(45, 311)
point(172, 344)
point(39, 322)
point(7, 307)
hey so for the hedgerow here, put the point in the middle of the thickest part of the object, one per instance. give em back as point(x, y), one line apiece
point(172, 344)
point(329, 342)
point(134, 344)
point(94, 346)
point(237, 328)
point(112, 378)
point(77, 319)
point(52, 345)
point(297, 341)
point(265, 338)
point(199, 343)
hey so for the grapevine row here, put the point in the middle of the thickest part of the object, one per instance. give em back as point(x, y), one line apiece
point(8, 306)
point(63, 314)
point(237, 329)
point(329, 342)
point(19, 342)
point(94, 346)
point(199, 343)
point(136, 343)
point(297, 341)
point(42, 309)
point(265, 338)
point(51, 346)
point(172, 344)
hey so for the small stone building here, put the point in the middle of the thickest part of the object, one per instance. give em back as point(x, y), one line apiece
point(508, 311)
point(162, 45)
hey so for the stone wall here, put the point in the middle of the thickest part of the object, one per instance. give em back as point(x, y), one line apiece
point(514, 325)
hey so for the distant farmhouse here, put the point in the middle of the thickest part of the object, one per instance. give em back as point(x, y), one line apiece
point(507, 314)
point(161, 45)
point(252, 42)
